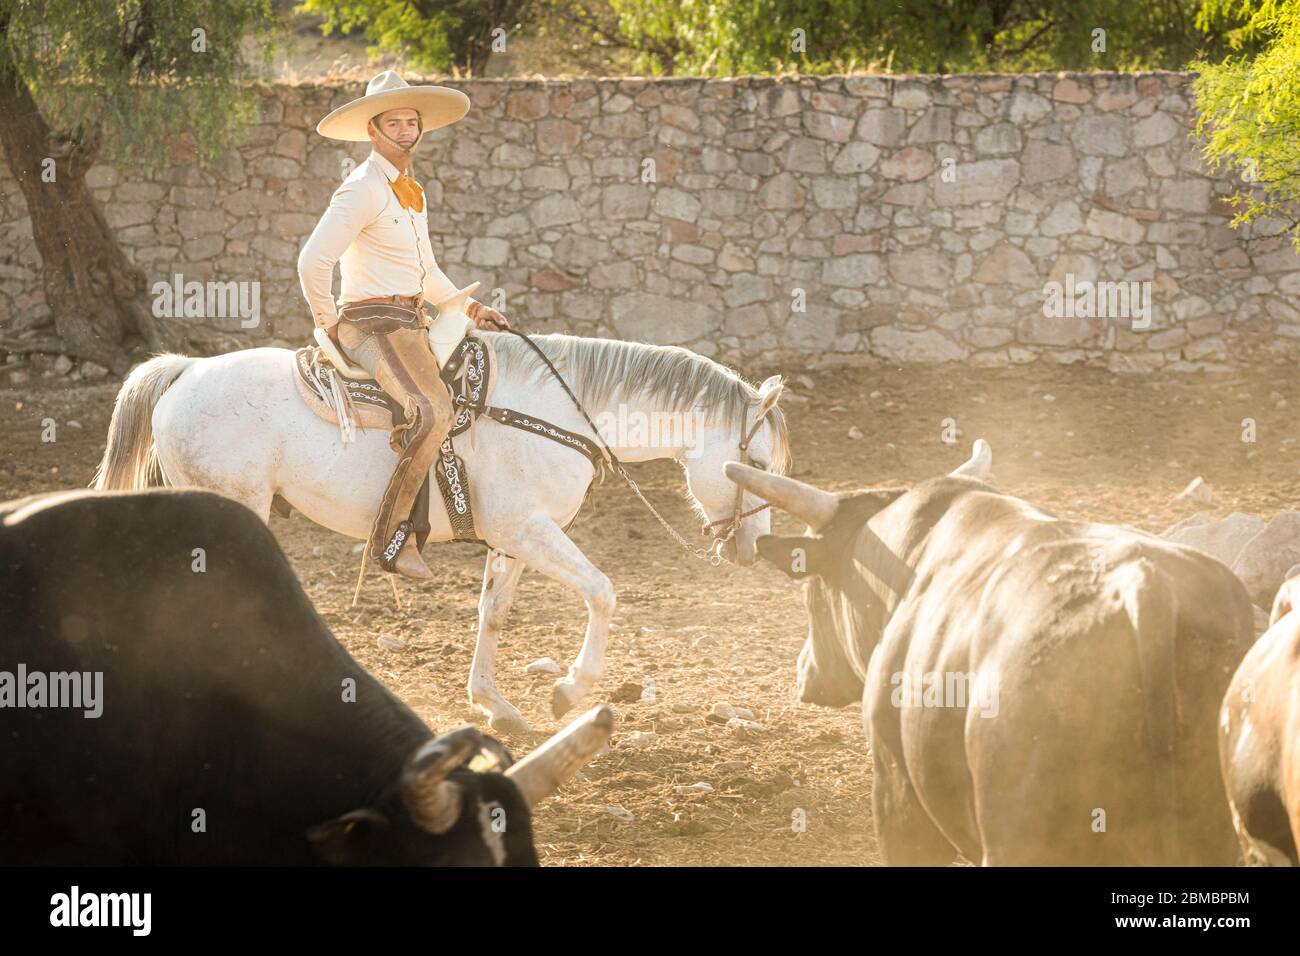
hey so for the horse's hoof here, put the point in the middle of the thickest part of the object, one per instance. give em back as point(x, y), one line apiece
point(512, 724)
point(563, 699)
point(502, 717)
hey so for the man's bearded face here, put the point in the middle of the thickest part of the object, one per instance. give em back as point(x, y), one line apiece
point(400, 126)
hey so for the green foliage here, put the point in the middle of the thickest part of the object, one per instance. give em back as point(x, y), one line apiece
point(391, 26)
point(430, 35)
point(132, 71)
point(1234, 24)
point(585, 37)
point(1249, 110)
point(731, 37)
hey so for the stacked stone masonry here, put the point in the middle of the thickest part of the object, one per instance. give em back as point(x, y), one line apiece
point(914, 219)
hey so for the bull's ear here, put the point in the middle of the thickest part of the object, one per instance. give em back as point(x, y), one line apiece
point(492, 757)
point(345, 840)
point(881, 498)
point(1287, 596)
point(797, 556)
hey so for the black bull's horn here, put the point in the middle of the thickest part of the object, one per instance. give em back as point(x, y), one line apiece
point(811, 505)
point(431, 799)
point(540, 773)
point(434, 802)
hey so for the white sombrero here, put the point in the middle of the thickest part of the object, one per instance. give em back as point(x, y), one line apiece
point(437, 106)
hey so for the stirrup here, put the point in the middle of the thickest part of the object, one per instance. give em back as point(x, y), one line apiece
point(336, 358)
point(394, 546)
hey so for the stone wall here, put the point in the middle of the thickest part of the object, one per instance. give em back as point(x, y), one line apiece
point(819, 219)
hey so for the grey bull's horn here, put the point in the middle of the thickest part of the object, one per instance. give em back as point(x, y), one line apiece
point(431, 799)
point(544, 770)
point(809, 504)
point(981, 461)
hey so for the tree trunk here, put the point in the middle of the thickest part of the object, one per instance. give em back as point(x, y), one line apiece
point(95, 294)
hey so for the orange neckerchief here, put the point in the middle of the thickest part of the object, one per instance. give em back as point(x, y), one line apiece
point(408, 192)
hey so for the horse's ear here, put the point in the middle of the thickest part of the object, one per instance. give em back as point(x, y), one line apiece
point(768, 393)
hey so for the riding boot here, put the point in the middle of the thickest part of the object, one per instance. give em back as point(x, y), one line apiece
point(408, 372)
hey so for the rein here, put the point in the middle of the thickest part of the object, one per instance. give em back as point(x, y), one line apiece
point(737, 516)
point(705, 554)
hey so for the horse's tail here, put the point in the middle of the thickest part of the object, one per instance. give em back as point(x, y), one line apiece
point(130, 461)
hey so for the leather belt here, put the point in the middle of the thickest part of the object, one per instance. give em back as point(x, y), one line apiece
point(384, 317)
point(409, 301)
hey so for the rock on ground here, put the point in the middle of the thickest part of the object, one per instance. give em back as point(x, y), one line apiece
point(1222, 540)
point(1264, 561)
point(1197, 490)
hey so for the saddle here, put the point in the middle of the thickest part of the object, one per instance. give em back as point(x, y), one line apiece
point(350, 401)
point(469, 376)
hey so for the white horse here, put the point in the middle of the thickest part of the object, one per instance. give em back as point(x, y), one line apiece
point(236, 424)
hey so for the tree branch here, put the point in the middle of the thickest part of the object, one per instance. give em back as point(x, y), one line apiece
point(1047, 25)
point(145, 28)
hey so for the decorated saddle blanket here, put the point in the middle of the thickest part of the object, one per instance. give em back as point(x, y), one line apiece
point(470, 376)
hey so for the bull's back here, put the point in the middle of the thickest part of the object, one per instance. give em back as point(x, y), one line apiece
point(221, 687)
point(1113, 647)
point(1100, 646)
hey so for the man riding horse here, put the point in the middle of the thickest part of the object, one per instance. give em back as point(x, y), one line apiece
point(377, 229)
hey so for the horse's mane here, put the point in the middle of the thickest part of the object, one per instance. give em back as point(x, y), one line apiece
point(683, 381)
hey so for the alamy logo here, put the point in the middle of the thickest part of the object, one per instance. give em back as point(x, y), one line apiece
point(179, 299)
point(1098, 300)
point(629, 428)
point(963, 690)
point(103, 909)
point(38, 689)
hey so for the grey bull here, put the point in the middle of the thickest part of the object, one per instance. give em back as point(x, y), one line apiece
point(1259, 739)
point(1035, 691)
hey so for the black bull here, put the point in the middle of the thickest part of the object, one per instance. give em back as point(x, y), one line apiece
point(235, 729)
point(1035, 691)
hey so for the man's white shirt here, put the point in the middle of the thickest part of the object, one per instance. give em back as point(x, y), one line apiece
point(381, 247)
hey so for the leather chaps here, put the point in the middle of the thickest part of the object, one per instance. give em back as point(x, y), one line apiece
point(408, 371)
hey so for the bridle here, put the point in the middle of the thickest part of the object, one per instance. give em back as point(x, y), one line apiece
point(711, 554)
point(737, 516)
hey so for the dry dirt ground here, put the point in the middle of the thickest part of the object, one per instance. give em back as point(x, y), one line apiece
point(1076, 442)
